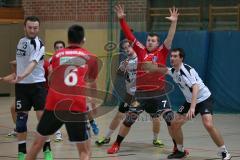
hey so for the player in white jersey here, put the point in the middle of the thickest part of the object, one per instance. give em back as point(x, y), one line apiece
point(198, 100)
point(127, 69)
point(30, 88)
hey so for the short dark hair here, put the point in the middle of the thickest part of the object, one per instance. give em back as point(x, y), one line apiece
point(181, 52)
point(75, 34)
point(32, 19)
point(153, 34)
point(57, 42)
point(123, 42)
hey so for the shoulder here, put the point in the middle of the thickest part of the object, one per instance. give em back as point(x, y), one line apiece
point(24, 40)
point(139, 44)
point(163, 48)
point(187, 67)
point(188, 70)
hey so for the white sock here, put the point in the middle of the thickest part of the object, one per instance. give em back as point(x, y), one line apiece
point(21, 142)
point(155, 136)
point(58, 132)
point(109, 133)
point(223, 148)
point(48, 140)
point(180, 147)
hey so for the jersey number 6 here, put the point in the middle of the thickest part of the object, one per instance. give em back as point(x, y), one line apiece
point(70, 76)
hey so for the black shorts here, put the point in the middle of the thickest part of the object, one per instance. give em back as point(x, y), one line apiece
point(124, 106)
point(154, 106)
point(78, 131)
point(30, 95)
point(204, 107)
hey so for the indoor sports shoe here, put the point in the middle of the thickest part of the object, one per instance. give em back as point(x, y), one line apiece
point(114, 149)
point(185, 150)
point(58, 137)
point(102, 141)
point(158, 143)
point(225, 155)
point(12, 134)
point(21, 156)
point(48, 155)
point(95, 128)
point(177, 154)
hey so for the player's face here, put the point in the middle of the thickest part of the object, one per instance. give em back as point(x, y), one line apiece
point(128, 48)
point(152, 43)
point(58, 46)
point(31, 29)
point(175, 59)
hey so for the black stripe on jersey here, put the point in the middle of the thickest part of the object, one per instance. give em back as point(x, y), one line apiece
point(190, 89)
point(33, 42)
point(188, 68)
point(182, 73)
point(42, 57)
point(172, 70)
point(41, 44)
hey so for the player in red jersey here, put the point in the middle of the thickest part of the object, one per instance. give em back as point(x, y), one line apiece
point(72, 69)
point(153, 53)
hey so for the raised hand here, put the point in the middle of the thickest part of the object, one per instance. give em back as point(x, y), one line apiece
point(119, 10)
point(173, 14)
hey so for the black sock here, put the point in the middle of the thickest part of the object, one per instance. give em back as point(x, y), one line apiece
point(46, 146)
point(22, 147)
point(174, 142)
point(119, 139)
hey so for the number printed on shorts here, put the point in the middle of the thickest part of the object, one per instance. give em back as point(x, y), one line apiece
point(164, 103)
point(18, 105)
point(70, 75)
point(181, 109)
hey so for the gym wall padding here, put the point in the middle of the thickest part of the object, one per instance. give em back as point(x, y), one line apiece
point(215, 56)
point(223, 76)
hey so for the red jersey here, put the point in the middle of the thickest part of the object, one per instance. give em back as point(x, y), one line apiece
point(72, 68)
point(147, 81)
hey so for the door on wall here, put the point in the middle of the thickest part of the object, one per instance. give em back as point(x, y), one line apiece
point(10, 34)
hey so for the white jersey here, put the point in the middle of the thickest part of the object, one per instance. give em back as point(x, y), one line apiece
point(130, 72)
point(29, 50)
point(186, 77)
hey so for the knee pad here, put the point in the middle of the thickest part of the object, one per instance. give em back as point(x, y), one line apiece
point(21, 122)
point(168, 116)
point(130, 119)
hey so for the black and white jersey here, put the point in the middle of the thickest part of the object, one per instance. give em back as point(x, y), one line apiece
point(186, 77)
point(130, 72)
point(29, 50)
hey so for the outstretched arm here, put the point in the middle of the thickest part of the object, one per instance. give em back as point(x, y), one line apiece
point(26, 72)
point(152, 67)
point(173, 18)
point(119, 10)
point(8, 78)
